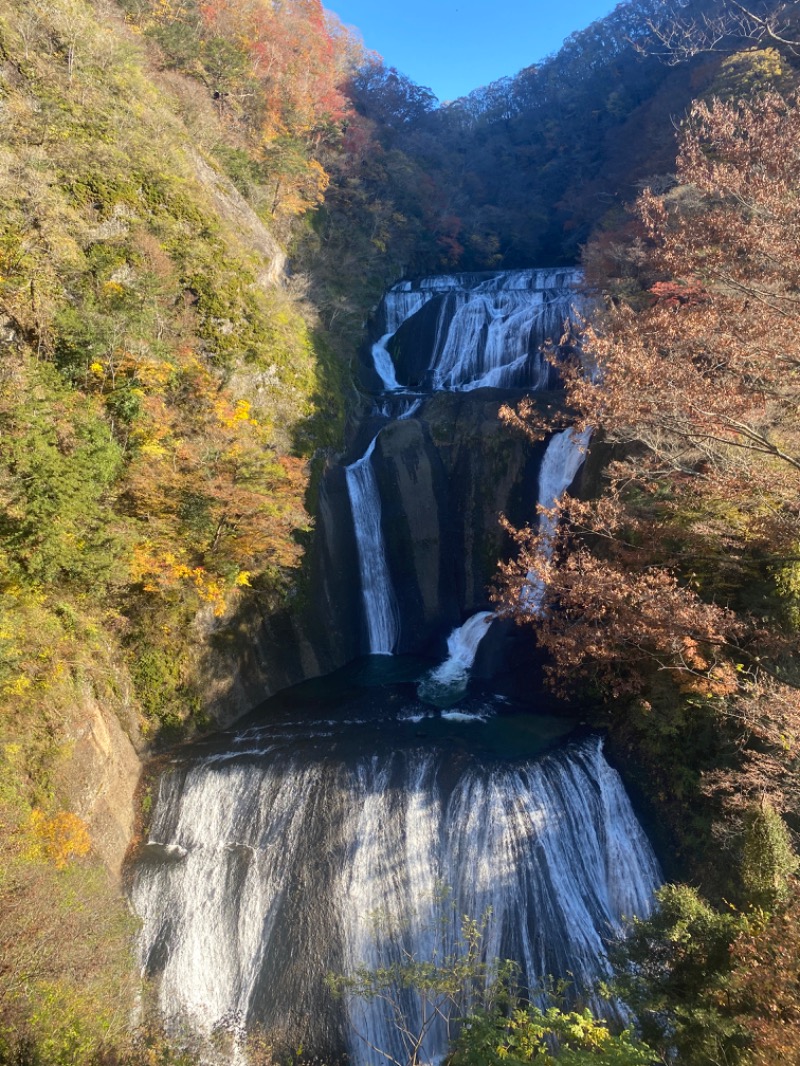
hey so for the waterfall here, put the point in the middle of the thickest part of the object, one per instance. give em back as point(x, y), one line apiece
point(399, 407)
point(489, 328)
point(445, 685)
point(285, 867)
point(398, 305)
point(380, 605)
point(351, 825)
point(563, 458)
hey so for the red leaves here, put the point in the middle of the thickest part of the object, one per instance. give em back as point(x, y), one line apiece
point(696, 380)
point(295, 59)
point(604, 619)
point(678, 293)
point(766, 986)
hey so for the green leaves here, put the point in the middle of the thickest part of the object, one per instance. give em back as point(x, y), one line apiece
point(548, 1037)
point(768, 859)
point(60, 466)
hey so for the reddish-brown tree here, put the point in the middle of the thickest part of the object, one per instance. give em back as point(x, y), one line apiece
point(766, 986)
point(688, 564)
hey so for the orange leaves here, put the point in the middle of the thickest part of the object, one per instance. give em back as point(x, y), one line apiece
point(213, 498)
point(766, 713)
point(717, 382)
point(230, 415)
point(677, 293)
point(293, 57)
point(167, 574)
point(276, 72)
point(59, 838)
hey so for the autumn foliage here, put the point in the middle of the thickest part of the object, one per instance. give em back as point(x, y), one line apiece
point(686, 566)
point(674, 593)
point(60, 838)
point(276, 72)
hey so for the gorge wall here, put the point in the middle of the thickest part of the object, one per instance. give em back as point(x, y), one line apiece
point(445, 467)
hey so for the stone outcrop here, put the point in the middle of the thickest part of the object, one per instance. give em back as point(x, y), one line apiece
point(100, 775)
point(445, 478)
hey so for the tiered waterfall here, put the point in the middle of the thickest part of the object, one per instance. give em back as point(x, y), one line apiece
point(348, 822)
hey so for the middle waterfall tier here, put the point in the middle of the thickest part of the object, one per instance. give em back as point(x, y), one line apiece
point(380, 604)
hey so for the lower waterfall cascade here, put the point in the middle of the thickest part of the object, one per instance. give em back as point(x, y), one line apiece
point(550, 851)
point(353, 820)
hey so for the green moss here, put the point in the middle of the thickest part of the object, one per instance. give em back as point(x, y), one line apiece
point(325, 426)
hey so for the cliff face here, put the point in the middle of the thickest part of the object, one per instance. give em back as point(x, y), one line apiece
point(444, 478)
point(162, 388)
point(100, 776)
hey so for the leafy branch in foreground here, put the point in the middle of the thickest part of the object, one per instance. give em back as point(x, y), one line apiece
point(474, 1006)
point(551, 1036)
point(420, 997)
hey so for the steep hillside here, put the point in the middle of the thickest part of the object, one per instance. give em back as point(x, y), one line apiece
point(163, 388)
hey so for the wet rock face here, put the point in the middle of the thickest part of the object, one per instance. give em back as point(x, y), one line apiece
point(417, 528)
point(410, 347)
point(445, 477)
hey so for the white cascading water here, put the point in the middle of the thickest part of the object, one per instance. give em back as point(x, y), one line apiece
point(399, 305)
point(449, 681)
point(563, 458)
point(285, 869)
point(314, 846)
point(397, 407)
point(380, 605)
point(489, 328)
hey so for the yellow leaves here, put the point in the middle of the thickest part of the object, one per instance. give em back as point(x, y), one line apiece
point(152, 448)
point(19, 685)
point(165, 573)
point(243, 579)
point(13, 754)
point(153, 374)
point(59, 838)
point(230, 416)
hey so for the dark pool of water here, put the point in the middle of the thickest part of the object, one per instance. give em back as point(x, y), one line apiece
point(373, 704)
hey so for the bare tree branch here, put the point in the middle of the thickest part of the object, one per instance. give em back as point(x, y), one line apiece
point(680, 35)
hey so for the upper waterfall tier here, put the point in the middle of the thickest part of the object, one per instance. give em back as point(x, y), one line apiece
point(459, 332)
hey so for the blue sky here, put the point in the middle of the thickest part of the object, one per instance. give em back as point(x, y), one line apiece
point(454, 46)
